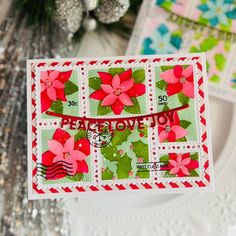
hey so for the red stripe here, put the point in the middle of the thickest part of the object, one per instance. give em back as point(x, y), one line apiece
point(144, 60)
point(182, 58)
point(200, 81)
point(36, 189)
point(34, 143)
point(80, 189)
point(33, 115)
point(200, 92)
point(203, 121)
point(187, 184)
point(170, 59)
point(195, 58)
point(134, 186)
point(67, 63)
point(118, 61)
point(131, 60)
point(34, 158)
point(93, 188)
point(41, 64)
point(66, 189)
point(107, 187)
point(79, 63)
point(105, 62)
point(202, 108)
point(174, 185)
point(160, 185)
point(200, 183)
point(156, 59)
point(92, 62)
point(34, 129)
point(147, 186)
point(54, 63)
point(53, 190)
point(204, 136)
point(205, 148)
point(199, 66)
point(120, 186)
point(34, 172)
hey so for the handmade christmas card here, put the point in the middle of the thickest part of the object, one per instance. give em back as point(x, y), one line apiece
point(119, 124)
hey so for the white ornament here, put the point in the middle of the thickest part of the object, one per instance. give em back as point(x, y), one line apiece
point(90, 23)
point(90, 5)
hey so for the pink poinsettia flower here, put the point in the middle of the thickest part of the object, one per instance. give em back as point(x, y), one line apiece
point(52, 87)
point(63, 149)
point(171, 131)
point(181, 164)
point(116, 91)
point(179, 80)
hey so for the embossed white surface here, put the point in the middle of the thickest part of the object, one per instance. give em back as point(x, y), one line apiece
point(205, 214)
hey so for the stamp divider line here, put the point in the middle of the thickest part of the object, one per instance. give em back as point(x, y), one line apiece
point(85, 112)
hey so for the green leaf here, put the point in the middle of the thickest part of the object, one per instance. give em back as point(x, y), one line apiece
point(107, 174)
point(161, 85)
point(193, 173)
point(115, 71)
point(80, 134)
point(164, 159)
point(165, 108)
point(103, 110)
point(185, 123)
point(94, 83)
point(164, 68)
point(220, 61)
point(139, 76)
point(193, 49)
point(77, 177)
point(194, 156)
point(120, 137)
point(208, 44)
point(215, 79)
point(183, 99)
point(124, 167)
point(184, 139)
point(135, 109)
point(57, 107)
point(110, 153)
point(70, 88)
point(141, 150)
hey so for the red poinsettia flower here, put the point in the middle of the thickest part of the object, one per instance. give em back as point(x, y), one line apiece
point(171, 130)
point(65, 154)
point(181, 164)
point(179, 80)
point(52, 87)
point(116, 91)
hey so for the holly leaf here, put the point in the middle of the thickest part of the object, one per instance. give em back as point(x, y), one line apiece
point(94, 83)
point(124, 167)
point(77, 177)
point(220, 61)
point(120, 137)
point(135, 109)
point(164, 68)
point(57, 107)
point(110, 153)
point(215, 79)
point(107, 174)
point(161, 85)
point(183, 99)
point(103, 110)
point(208, 44)
point(139, 76)
point(70, 88)
point(193, 173)
point(185, 123)
point(194, 156)
point(141, 150)
point(184, 139)
point(115, 71)
point(164, 159)
point(80, 134)
point(165, 108)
